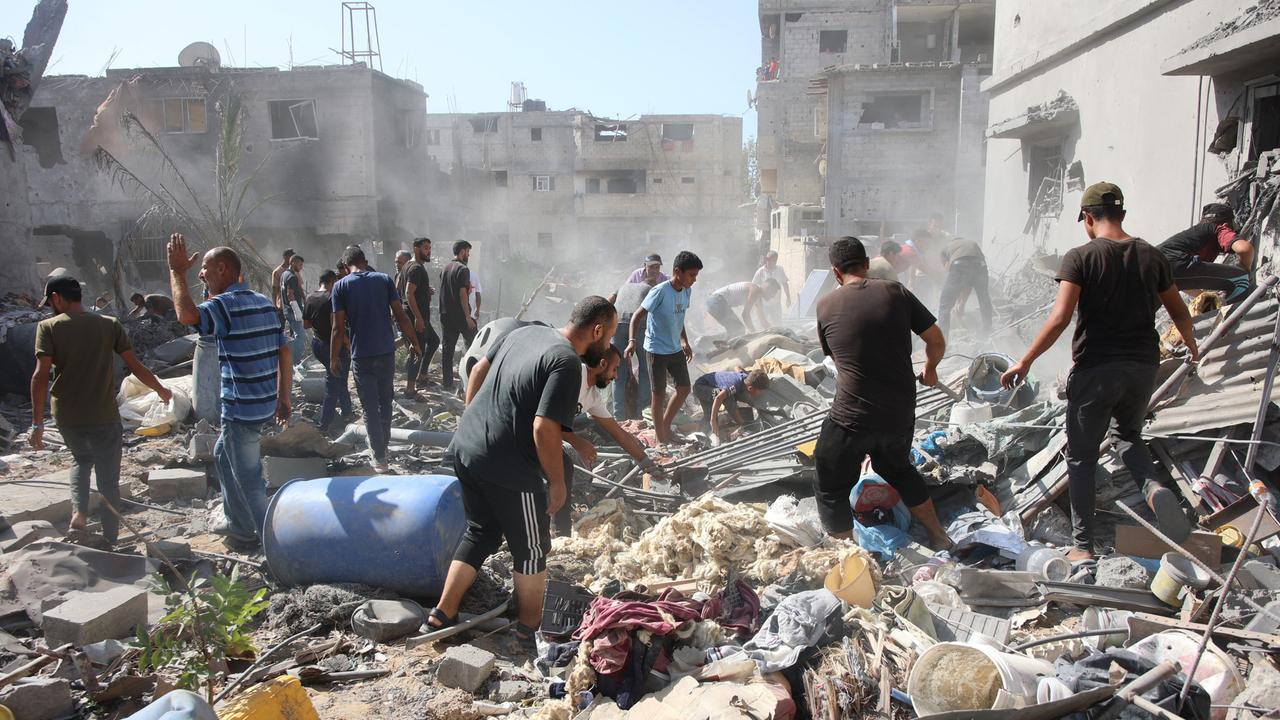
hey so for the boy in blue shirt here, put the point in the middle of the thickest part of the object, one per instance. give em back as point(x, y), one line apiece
point(662, 314)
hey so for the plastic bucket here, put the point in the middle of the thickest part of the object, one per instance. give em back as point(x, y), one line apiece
point(1096, 618)
point(1046, 562)
point(1175, 573)
point(393, 532)
point(984, 378)
point(960, 676)
point(963, 413)
point(851, 582)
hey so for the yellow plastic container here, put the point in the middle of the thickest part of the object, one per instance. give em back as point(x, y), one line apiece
point(281, 698)
point(851, 581)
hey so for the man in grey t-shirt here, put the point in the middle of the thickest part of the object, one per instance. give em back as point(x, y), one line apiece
point(521, 400)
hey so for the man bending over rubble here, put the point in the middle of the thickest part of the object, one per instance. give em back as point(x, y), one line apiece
point(257, 376)
point(521, 400)
point(865, 326)
point(1117, 282)
point(665, 341)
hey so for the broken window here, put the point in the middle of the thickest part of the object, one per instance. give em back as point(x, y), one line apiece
point(484, 123)
point(535, 134)
point(293, 119)
point(832, 41)
point(611, 132)
point(1045, 173)
point(40, 131)
point(544, 239)
point(500, 178)
point(410, 127)
point(1263, 129)
point(622, 186)
point(895, 111)
point(677, 131)
point(593, 186)
point(686, 181)
point(544, 183)
point(175, 115)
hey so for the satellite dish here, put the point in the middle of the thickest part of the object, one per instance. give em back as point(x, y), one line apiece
point(199, 54)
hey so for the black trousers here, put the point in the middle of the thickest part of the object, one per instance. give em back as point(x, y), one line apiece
point(1194, 274)
point(1097, 395)
point(965, 274)
point(450, 341)
point(495, 512)
point(838, 460)
point(429, 341)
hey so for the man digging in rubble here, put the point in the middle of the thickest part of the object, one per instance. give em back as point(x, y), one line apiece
point(723, 303)
point(966, 267)
point(1117, 282)
point(366, 301)
point(662, 315)
point(717, 390)
point(865, 326)
point(1192, 252)
point(79, 346)
point(521, 400)
point(257, 376)
point(417, 292)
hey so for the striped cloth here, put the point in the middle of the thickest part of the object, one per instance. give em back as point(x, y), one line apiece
point(249, 335)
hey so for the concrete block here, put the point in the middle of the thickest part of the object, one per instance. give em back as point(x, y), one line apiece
point(279, 470)
point(22, 534)
point(465, 667)
point(174, 483)
point(38, 699)
point(172, 549)
point(511, 691)
point(201, 447)
point(85, 617)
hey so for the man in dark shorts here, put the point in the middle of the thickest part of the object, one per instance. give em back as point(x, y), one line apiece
point(865, 326)
point(455, 310)
point(1192, 252)
point(966, 267)
point(417, 299)
point(1118, 283)
point(317, 315)
point(521, 400)
point(662, 316)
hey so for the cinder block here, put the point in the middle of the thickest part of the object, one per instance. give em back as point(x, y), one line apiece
point(465, 667)
point(38, 699)
point(86, 617)
point(279, 470)
point(174, 483)
point(172, 549)
point(511, 691)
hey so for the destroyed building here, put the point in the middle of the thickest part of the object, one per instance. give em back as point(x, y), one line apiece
point(335, 152)
point(566, 184)
point(1074, 101)
point(870, 112)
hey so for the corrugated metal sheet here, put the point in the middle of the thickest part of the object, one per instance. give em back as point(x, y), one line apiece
point(1228, 386)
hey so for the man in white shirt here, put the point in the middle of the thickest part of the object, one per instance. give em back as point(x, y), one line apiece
point(770, 271)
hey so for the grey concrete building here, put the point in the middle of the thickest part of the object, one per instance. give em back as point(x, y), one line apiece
point(338, 154)
point(565, 186)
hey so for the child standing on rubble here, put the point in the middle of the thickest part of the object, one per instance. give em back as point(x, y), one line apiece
point(1117, 282)
point(665, 341)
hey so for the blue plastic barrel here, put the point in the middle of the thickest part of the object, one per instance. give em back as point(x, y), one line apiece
point(397, 532)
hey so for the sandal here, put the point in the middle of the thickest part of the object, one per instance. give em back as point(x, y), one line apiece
point(445, 621)
point(527, 637)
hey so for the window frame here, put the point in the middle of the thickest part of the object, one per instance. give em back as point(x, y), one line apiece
point(293, 103)
point(162, 106)
point(540, 186)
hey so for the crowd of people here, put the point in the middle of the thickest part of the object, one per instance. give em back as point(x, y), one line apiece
point(515, 445)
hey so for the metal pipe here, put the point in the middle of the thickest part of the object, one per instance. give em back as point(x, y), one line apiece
point(622, 483)
point(427, 438)
point(1132, 693)
point(756, 437)
point(1259, 420)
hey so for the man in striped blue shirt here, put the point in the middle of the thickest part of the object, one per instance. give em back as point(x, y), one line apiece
point(256, 368)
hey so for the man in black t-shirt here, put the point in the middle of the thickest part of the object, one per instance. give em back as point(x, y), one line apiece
point(1192, 253)
point(1117, 282)
point(317, 316)
point(521, 400)
point(455, 309)
point(865, 326)
point(417, 299)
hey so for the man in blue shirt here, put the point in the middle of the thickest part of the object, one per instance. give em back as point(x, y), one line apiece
point(367, 300)
point(257, 377)
point(665, 340)
point(717, 390)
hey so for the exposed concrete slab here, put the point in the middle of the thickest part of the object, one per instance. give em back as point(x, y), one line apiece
point(22, 534)
point(90, 617)
point(38, 699)
point(174, 483)
point(277, 471)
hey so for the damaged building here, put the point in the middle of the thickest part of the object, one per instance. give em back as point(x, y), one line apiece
point(566, 184)
point(1194, 109)
point(331, 155)
point(871, 119)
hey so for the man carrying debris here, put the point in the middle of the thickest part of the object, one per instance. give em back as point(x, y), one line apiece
point(717, 390)
point(662, 316)
point(522, 398)
point(292, 298)
point(865, 326)
point(78, 348)
point(1117, 282)
point(1192, 253)
point(770, 271)
point(966, 267)
point(455, 310)
point(882, 267)
point(275, 277)
point(318, 316)
point(418, 292)
point(366, 301)
point(722, 304)
point(257, 377)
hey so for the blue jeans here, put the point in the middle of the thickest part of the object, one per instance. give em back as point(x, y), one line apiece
point(375, 384)
point(336, 391)
point(621, 337)
point(298, 343)
point(238, 457)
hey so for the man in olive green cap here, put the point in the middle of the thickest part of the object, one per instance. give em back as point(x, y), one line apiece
point(1117, 282)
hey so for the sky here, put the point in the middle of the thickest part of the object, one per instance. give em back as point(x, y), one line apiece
point(612, 59)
